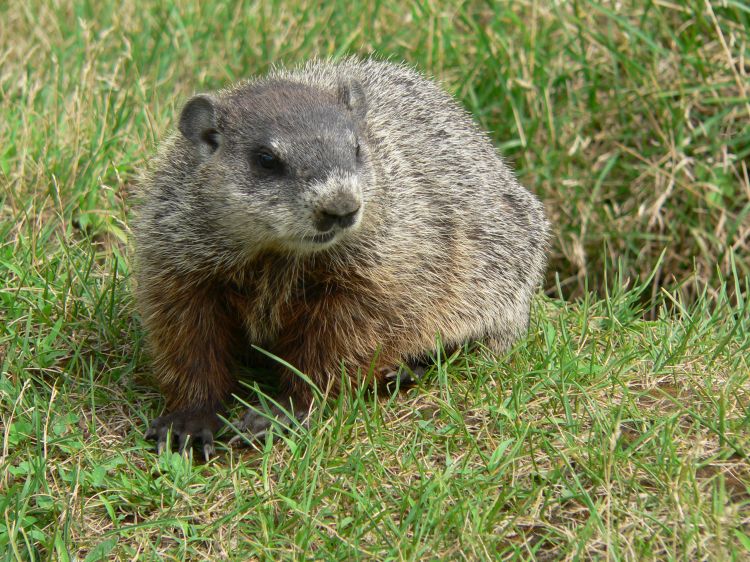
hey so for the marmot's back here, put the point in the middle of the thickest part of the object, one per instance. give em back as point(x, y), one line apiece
point(337, 214)
point(436, 159)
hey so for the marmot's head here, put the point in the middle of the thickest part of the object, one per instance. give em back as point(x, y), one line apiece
point(285, 164)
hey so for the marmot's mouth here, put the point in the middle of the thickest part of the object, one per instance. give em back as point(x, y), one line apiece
point(321, 238)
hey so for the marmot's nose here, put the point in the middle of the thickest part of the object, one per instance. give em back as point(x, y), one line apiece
point(343, 216)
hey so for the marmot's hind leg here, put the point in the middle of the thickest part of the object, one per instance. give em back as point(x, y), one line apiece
point(405, 375)
point(499, 343)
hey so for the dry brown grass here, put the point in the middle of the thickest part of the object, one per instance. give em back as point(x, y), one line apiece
point(603, 435)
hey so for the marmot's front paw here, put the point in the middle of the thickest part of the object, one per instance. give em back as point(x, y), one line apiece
point(188, 427)
point(256, 423)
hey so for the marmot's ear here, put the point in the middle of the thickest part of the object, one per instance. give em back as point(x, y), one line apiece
point(198, 124)
point(352, 95)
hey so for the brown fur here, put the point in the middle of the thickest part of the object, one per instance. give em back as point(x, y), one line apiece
point(193, 335)
point(432, 237)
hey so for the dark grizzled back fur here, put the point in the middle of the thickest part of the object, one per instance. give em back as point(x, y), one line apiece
point(458, 226)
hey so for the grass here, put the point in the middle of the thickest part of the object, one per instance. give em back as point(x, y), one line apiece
point(617, 429)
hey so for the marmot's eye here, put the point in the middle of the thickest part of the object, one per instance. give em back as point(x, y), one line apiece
point(269, 161)
point(356, 150)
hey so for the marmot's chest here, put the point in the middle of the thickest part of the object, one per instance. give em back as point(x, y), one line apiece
point(277, 297)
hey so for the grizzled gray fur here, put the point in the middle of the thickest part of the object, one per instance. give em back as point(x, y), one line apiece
point(342, 216)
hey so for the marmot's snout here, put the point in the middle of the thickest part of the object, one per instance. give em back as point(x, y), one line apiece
point(337, 202)
point(343, 211)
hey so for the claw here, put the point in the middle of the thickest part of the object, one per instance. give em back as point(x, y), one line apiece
point(207, 438)
point(183, 440)
point(412, 375)
point(256, 425)
point(243, 439)
point(188, 428)
point(235, 441)
point(405, 375)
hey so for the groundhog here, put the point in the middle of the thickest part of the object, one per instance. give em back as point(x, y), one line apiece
point(346, 217)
